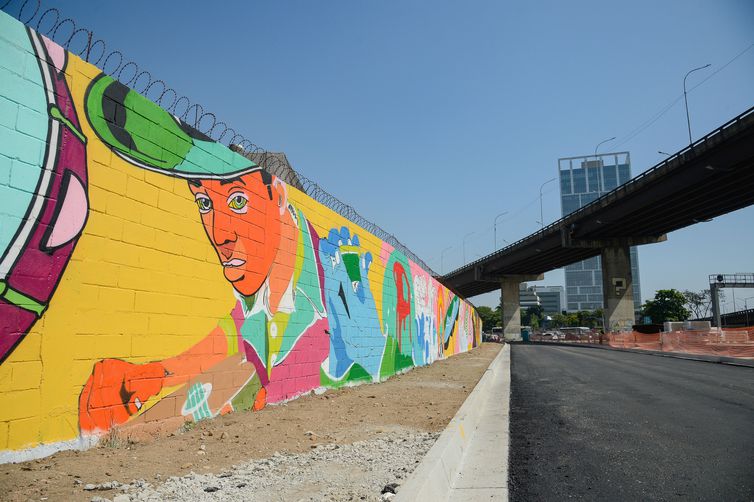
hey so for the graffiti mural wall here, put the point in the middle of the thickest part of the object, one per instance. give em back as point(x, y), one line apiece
point(149, 274)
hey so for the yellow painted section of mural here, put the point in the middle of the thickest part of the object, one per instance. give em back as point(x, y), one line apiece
point(149, 273)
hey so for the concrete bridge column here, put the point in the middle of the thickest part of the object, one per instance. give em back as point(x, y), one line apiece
point(509, 300)
point(617, 288)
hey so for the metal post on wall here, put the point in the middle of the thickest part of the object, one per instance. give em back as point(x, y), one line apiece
point(715, 293)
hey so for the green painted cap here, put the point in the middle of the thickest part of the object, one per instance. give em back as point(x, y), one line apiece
point(144, 134)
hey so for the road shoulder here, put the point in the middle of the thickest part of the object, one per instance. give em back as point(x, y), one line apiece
point(469, 461)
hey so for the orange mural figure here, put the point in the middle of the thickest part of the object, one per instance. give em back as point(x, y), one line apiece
point(266, 248)
point(246, 218)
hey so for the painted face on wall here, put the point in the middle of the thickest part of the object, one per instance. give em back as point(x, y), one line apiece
point(241, 209)
point(242, 217)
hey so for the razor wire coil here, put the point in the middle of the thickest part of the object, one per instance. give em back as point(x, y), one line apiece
point(82, 42)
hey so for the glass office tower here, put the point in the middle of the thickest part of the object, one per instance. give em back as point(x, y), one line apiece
point(582, 180)
point(552, 299)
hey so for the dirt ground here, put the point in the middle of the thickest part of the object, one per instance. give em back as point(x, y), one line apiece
point(425, 399)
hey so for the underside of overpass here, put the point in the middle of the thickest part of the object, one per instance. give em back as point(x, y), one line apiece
point(711, 177)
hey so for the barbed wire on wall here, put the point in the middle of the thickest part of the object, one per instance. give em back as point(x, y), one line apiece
point(62, 30)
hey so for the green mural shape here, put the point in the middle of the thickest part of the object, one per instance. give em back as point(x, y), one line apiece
point(351, 257)
point(196, 402)
point(451, 315)
point(246, 397)
point(356, 373)
point(392, 360)
point(146, 135)
point(398, 304)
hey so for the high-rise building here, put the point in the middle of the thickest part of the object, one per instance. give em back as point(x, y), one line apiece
point(527, 296)
point(583, 180)
point(552, 299)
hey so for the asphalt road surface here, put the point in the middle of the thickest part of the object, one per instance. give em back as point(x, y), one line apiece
point(590, 424)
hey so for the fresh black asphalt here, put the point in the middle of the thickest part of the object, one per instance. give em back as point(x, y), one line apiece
point(589, 424)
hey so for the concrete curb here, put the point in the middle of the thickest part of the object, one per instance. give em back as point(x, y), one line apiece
point(731, 361)
point(469, 461)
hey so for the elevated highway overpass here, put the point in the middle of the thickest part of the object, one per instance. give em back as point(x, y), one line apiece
point(709, 178)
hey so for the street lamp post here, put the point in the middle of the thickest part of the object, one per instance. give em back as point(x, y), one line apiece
point(495, 226)
point(600, 143)
point(442, 259)
point(464, 246)
point(685, 99)
point(541, 214)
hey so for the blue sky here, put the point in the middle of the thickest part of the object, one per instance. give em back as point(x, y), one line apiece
point(432, 117)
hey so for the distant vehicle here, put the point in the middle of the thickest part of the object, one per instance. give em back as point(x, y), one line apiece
point(498, 330)
point(495, 336)
point(577, 333)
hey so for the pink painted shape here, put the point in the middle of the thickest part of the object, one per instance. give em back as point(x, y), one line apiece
point(70, 221)
point(56, 52)
point(299, 372)
point(385, 251)
point(417, 271)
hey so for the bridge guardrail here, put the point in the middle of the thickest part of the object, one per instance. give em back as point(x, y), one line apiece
point(629, 186)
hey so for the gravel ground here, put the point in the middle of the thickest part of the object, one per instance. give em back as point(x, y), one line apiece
point(358, 471)
point(407, 406)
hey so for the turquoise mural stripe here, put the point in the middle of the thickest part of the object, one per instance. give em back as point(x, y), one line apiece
point(20, 164)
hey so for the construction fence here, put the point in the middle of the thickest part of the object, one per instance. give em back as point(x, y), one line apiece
point(733, 342)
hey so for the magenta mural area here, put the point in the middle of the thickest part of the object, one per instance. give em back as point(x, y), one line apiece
point(45, 208)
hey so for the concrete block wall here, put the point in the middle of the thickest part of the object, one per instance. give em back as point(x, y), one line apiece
point(150, 276)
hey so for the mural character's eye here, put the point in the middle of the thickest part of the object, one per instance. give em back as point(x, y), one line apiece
point(238, 202)
point(204, 203)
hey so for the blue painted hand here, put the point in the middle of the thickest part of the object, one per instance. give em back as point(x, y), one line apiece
point(355, 335)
